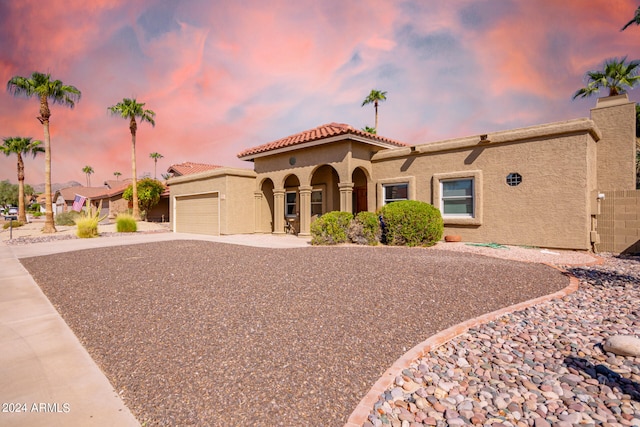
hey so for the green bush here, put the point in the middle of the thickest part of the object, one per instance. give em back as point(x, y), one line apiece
point(365, 229)
point(67, 218)
point(126, 224)
point(331, 228)
point(87, 227)
point(13, 223)
point(411, 223)
point(37, 214)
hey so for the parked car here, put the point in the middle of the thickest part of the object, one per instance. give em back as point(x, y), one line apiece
point(11, 214)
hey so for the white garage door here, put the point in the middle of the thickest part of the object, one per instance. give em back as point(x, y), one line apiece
point(197, 214)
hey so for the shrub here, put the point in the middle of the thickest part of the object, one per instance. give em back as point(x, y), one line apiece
point(87, 227)
point(365, 229)
point(331, 228)
point(67, 218)
point(13, 223)
point(411, 223)
point(125, 223)
point(37, 214)
point(87, 222)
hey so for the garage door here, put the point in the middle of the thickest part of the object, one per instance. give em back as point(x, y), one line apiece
point(197, 214)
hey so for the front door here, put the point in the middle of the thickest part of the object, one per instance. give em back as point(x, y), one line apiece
point(361, 199)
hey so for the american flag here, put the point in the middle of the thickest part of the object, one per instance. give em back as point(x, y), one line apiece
point(78, 201)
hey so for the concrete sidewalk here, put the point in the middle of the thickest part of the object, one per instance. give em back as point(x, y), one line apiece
point(47, 378)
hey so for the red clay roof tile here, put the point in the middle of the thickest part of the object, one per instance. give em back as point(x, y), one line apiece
point(188, 168)
point(324, 131)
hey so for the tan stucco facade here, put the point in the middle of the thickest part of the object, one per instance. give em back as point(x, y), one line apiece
point(534, 186)
point(233, 188)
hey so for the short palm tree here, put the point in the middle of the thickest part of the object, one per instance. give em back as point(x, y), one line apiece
point(155, 157)
point(374, 98)
point(131, 110)
point(617, 75)
point(117, 175)
point(41, 86)
point(19, 146)
point(635, 20)
point(88, 170)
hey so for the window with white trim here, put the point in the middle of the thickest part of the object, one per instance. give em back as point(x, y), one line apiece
point(291, 199)
point(395, 192)
point(316, 202)
point(457, 198)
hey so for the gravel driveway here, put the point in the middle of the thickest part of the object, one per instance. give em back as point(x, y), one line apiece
point(203, 333)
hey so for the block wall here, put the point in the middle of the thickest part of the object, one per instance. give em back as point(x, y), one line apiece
point(618, 223)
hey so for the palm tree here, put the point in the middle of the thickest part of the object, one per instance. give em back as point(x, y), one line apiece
point(19, 146)
point(41, 86)
point(130, 109)
point(88, 170)
point(635, 20)
point(615, 76)
point(155, 157)
point(374, 98)
point(117, 175)
point(369, 129)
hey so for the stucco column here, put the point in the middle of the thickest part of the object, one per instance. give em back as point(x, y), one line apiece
point(346, 196)
point(305, 210)
point(257, 203)
point(278, 211)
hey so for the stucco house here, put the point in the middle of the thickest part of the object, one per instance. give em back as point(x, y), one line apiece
point(541, 186)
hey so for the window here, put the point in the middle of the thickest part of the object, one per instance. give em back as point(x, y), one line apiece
point(290, 203)
point(395, 192)
point(316, 202)
point(457, 197)
point(514, 179)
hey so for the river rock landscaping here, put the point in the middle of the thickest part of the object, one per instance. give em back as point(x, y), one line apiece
point(542, 366)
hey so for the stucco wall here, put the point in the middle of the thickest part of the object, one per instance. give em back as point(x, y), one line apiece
point(550, 208)
point(236, 188)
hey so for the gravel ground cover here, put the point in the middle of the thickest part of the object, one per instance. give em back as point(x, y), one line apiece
point(539, 367)
point(202, 333)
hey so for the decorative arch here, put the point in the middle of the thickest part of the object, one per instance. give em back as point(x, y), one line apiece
point(360, 196)
point(325, 182)
point(265, 206)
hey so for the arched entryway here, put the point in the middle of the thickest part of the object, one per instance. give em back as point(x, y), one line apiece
point(360, 201)
point(264, 207)
point(325, 194)
point(291, 222)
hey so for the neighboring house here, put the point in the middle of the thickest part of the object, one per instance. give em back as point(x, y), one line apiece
point(536, 186)
point(57, 201)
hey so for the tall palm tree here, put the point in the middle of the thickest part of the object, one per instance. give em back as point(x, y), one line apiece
point(19, 146)
point(374, 98)
point(41, 86)
point(88, 170)
point(635, 20)
point(131, 110)
point(155, 157)
point(616, 75)
point(117, 175)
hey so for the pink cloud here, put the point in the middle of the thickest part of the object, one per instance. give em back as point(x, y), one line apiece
point(225, 76)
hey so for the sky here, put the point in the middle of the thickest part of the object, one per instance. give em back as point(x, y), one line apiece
point(223, 76)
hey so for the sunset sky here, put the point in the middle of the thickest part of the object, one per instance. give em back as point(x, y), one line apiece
point(223, 76)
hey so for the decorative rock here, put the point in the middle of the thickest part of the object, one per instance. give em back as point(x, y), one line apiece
point(623, 345)
point(532, 368)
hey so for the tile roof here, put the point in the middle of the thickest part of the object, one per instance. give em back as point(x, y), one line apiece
point(188, 168)
point(321, 132)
